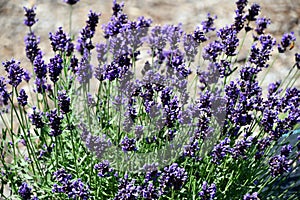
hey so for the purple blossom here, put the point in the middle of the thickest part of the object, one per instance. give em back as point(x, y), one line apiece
point(157, 39)
point(260, 56)
point(64, 102)
point(30, 16)
point(239, 149)
point(297, 60)
point(31, 46)
point(84, 70)
point(239, 19)
point(208, 192)
point(101, 53)
point(253, 196)
point(199, 35)
point(15, 72)
point(45, 150)
point(4, 95)
point(152, 172)
point(228, 36)
point(54, 123)
point(213, 50)
point(253, 12)
point(149, 192)
point(103, 168)
point(176, 64)
point(22, 98)
point(172, 177)
point(286, 150)
point(37, 118)
point(74, 64)
point(71, 2)
point(192, 148)
point(190, 47)
point(279, 165)
point(117, 8)
point(220, 150)
point(208, 24)
point(60, 42)
point(40, 69)
point(261, 25)
point(84, 43)
point(287, 41)
point(73, 188)
point(55, 67)
point(127, 190)
point(128, 144)
point(96, 144)
point(25, 191)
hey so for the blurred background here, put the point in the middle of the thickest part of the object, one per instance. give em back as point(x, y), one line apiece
point(284, 15)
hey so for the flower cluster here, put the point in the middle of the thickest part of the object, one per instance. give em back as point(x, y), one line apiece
point(73, 188)
point(208, 192)
point(60, 42)
point(30, 16)
point(103, 168)
point(172, 177)
point(54, 122)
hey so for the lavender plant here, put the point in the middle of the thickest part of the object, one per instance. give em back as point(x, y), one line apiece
point(164, 114)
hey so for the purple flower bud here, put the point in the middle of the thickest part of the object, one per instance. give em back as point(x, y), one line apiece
point(103, 169)
point(208, 192)
point(54, 123)
point(22, 98)
point(36, 118)
point(279, 165)
point(15, 72)
point(287, 41)
point(60, 42)
point(55, 67)
point(31, 46)
point(64, 102)
point(128, 144)
point(30, 16)
point(25, 191)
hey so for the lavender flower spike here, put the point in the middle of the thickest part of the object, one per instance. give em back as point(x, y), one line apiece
point(30, 16)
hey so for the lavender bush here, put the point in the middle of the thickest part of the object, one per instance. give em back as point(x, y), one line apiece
point(164, 114)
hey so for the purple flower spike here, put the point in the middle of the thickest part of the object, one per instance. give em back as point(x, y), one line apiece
point(36, 118)
point(173, 177)
point(22, 98)
point(60, 42)
point(103, 169)
point(287, 41)
point(54, 123)
point(15, 72)
point(128, 144)
point(25, 191)
point(55, 66)
point(297, 59)
point(31, 46)
point(208, 25)
point(208, 192)
point(30, 16)
point(261, 25)
point(64, 102)
point(279, 165)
